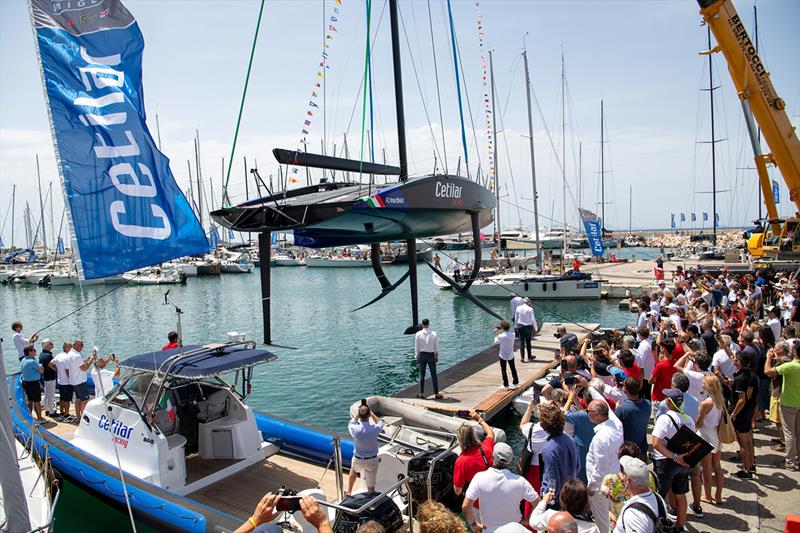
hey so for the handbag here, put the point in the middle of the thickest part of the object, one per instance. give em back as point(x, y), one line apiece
point(525, 455)
point(725, 430)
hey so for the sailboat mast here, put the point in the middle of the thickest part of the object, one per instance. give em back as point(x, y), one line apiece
point(13, 210)
point(41, 206)
point(630, 209)
point(494, 148)
point(398, 91)
point(580, 176)
point(199, 182)
point(533, 162)
point(602, 173)
point(563, 156)
point(713, 141)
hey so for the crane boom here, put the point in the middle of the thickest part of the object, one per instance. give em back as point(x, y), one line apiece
point(753, 85)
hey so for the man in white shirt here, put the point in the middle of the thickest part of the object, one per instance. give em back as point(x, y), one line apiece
point(722, 362)
point(646, 361)
point(786, 302)
point(499, 491)
point(632, 518)
point(602, 458)
point(671, 468)
point(773, 321)
point(516, 301)
point(60, 364)
point(426, 351)
point(525, 323)
point(21, 342)
point(505, 339)
point(77, 376)
point(675, 317)
point(695, 366)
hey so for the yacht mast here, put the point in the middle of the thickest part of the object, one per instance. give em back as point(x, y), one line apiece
point(494, 148)
point(533, 162)
point(563, 157)
point(711, 89)
point(602, 175)
point(41, 207)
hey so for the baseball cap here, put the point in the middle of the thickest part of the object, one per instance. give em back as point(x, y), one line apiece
point(635, 469)
point(676, 395)
point(503, 455)
point(661, 282)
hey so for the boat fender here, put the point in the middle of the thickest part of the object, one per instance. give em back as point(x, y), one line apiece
point(526, 286)
point(555, 286)
point(544, 287)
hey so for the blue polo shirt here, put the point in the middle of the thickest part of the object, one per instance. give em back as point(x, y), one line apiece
point(30, 369)
point(582, 433)
point(634, 416)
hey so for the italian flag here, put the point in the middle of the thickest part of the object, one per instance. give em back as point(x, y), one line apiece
point(373, 201)
point(166, 405)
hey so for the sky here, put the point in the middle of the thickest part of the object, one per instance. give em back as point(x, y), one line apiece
point(640, 58)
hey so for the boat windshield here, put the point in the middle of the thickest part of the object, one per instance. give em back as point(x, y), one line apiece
point(130, 393)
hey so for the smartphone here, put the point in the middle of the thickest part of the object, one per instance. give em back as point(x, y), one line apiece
point(363, 401)
point(288, 503)
point(462, 413)
point(564, 365)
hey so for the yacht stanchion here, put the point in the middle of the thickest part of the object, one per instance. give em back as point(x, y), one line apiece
point(264, 257)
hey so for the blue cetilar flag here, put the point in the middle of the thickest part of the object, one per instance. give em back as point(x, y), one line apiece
point(672, 220)
point(694, 217)
point(214, 237)
point(60, 247)
point(231, 236)
point(683, 217)
point(776, 192)
point(705, 217)
point(592, 225)
point(123, 200)
point(274, 239)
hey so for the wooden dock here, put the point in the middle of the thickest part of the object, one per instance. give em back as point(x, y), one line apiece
point(476, 382)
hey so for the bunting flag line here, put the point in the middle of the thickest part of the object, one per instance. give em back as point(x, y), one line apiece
point(319, 75)
point(486, 100)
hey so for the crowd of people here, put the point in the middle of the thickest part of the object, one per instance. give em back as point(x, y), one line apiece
point(42, 374)
point(712, 359)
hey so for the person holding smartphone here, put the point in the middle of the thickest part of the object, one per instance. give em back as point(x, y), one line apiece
point(77, 368)
point(364, 428)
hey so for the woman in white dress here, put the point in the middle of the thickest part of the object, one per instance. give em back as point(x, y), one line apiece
point(707, 424)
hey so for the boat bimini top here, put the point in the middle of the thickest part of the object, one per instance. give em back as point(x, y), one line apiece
point(200, 362)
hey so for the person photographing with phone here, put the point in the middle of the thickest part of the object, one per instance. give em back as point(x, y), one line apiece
point(77, 367)
point(364, 428)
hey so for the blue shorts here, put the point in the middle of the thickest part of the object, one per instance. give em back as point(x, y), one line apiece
point(65, 393)
point(81, 391)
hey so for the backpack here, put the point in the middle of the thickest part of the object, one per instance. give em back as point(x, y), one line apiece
point(661, 523)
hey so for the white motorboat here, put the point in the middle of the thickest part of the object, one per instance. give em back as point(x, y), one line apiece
point(37, 275)
point(337, 262)
point(7, 274)
point(198, 458)
point(542, 287)
point(156, 277)
point(287, 260)
point(236, 267)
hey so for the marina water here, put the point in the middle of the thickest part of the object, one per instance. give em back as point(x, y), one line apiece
point(340, 355)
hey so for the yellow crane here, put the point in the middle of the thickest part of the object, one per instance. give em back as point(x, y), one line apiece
point(760, 101)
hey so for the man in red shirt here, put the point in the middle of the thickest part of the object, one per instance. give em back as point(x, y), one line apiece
point(172, 336)
point(662, 373)
point(475, 456)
